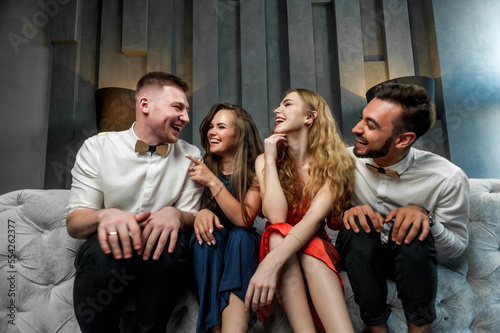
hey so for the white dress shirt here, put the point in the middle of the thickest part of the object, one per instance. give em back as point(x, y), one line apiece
point(426, 180)
point(108, 173)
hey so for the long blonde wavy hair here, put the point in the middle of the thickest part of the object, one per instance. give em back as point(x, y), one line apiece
point(330, 162)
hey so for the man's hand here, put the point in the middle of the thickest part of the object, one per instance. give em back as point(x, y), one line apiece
point(115, 229)
point(407, 223)
point(361, 212)
point(161, 226)
point(334, 222)
point(203, 226)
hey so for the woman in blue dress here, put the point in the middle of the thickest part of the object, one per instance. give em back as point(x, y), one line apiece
point(224, 244)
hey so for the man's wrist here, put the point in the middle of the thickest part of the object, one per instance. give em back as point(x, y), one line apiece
point(430, 215)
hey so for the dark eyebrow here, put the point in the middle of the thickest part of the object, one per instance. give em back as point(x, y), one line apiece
point(371, 120)
point(377, 125)
point(286, 100)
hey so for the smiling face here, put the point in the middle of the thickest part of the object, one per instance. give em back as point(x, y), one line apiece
point(374, 132)
point(221, 133)
point(166, 114)
point(290, 115)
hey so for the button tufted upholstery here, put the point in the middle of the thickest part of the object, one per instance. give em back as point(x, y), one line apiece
point(36, 272)
point(36, 263)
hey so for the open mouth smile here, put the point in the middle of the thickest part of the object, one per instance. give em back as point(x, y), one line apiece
point(176, 128)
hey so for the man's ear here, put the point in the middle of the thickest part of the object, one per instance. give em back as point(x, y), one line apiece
point(144, 104)
point(311, 117)
point(404, 140)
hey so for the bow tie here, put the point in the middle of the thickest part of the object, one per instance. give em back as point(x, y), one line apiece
point(391, 173)
point(141, 147)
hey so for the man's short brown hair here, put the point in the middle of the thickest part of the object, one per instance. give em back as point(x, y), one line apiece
point(160, 79)
point(418, 111)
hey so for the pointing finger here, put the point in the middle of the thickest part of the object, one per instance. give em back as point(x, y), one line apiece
point(193, 159)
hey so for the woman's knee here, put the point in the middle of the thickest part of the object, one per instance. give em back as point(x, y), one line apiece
point(243, 236)
point(275, 239)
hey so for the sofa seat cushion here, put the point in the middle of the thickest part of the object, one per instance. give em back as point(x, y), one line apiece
point(36, 262)
point(483, 254)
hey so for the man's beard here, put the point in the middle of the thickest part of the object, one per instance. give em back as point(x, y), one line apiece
point(382, 152)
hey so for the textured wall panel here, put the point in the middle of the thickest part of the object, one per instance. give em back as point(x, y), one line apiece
point(301, 44)
point(205, 62)
point(160, 35)
point(278, 73)
point(398, 39)
point(254, 62)
point(115, 68)
point(135, 27)
point(351, 63)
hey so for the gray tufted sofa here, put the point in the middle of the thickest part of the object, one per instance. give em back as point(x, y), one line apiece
point(36, 272)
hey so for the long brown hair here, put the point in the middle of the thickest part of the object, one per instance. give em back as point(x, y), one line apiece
point(330, 163)
point(247, 146)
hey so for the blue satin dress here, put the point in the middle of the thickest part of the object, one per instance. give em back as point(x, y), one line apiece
point(224, 268)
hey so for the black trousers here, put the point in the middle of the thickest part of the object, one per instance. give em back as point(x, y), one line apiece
point(103, 285)
point(369, 263)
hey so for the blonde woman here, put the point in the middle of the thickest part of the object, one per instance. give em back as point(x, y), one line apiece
point(305, 175)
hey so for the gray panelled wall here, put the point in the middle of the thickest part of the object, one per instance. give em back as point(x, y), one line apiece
point(56, 53)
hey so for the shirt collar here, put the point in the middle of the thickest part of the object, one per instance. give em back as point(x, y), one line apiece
point(402, 165)
point(132, 137)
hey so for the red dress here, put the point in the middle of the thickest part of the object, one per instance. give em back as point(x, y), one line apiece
point(320, 246)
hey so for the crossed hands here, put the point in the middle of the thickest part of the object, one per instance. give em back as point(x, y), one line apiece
point(407, 222)
point(118, 232)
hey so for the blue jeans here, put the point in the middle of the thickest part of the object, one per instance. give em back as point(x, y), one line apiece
point(369, 263)
point(103, 285)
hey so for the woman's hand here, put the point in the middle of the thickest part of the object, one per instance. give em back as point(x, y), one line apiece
point(204, 226)
point(271, 146)
point(200, 173)
point(263, 284)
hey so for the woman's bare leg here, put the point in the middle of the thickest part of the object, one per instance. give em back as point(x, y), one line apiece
point(234, 317)
point(326, 294)
point(291, 292)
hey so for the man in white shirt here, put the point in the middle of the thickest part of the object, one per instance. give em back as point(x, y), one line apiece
point(410, 209)
point(133, 200)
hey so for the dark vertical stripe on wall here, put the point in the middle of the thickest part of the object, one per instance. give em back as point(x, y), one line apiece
point(278, 74)
point(326, 60)
point(205, 62)
point(84, 120)
point(135, 27)
point(229, 51)
point(254, 62)
point(60, 153)
point(351, 63)
point(160, 35)
point(301, 44)
point(182, 53)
